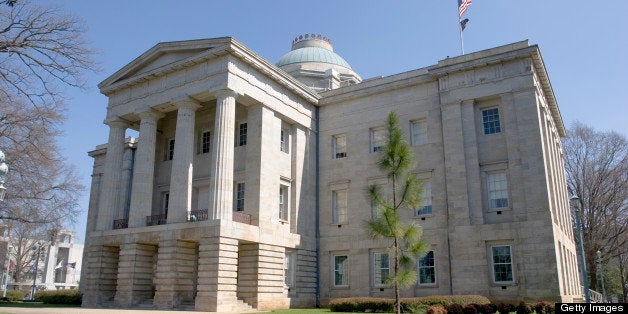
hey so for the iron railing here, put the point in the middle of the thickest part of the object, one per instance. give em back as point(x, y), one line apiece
point(121, 223)
point(153, 220)
point(198, 215)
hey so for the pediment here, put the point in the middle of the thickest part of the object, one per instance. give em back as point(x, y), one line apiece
point(163, 56)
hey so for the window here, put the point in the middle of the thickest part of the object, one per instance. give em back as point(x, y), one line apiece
point(376, 210)
point(205, 140)
point(242, 134)
point(490, 121)
point(427, 269)
point(170, 150)
point(381, 268)
point(239, 203)
point(502, 264)
point(497, 190)
point(426, 209)
point(377, 139)
point(339, 206)
point(339, 143)
point(283, 202)
point(165, 202)
point(418, 132)
point(341, 269)
point(288, 269)
point(285, 141)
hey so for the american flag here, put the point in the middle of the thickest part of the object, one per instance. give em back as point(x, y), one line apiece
point(462, 6)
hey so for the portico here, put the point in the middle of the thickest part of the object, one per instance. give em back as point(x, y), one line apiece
point(172, 235)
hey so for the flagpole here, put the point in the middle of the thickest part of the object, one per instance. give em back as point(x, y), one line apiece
point(461, 39)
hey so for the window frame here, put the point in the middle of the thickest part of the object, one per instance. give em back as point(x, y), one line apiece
point(336, 153)
point(201, 144)
point(284, 203)
point(501, 191)
point(289, 268)
point(239, 197)
point(373, 139)
point(422, 134)
point(378, 269)
point(335, 209)
point(433, 267)
point(493, 264)
point(427, 200)
point(242, 133)
point(284, 140)
point(335, 270)
point(165, 202)
point(491, 120)
point(169, 151)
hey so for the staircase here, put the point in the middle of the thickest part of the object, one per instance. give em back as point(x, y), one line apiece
point(243, 307)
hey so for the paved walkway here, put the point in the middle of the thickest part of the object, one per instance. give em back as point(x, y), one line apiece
point(61, 310)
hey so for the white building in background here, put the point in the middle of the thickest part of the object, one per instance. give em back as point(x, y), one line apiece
point(59, 265)
point(246, 187)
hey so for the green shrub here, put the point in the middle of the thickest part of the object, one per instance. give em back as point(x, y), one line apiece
point(59, 297)
point(361, 305)
point(407, 304)
point(14, 295)
point(436, 309)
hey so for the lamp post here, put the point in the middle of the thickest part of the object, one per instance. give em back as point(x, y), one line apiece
point(600, 274)
point(575, 201)
point(39, 247)
point(4, 170)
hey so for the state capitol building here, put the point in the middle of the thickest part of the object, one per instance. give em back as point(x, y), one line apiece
point(246, 187)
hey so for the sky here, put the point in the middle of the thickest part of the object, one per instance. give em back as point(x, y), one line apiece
point(583, 47)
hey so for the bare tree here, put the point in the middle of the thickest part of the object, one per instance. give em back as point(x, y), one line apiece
point(597, 171)
point(41, 51)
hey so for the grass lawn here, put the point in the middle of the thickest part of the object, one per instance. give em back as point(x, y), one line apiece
point(306, 311)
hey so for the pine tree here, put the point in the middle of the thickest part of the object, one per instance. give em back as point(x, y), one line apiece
point(397, 161)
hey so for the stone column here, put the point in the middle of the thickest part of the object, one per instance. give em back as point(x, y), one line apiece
point(143, 175)
point(110, 195)
point(181, 175)
point(221, 185)
point(135, 274)
point(217, 275)
point(175, 280)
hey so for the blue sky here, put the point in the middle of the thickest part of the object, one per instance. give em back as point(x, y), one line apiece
point(584, 47)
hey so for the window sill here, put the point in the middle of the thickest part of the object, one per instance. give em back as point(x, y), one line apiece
point(339, 224)
point(341, 287)
point(504, 284)
point(496, 210)
point(283, 221)
point(423, 217)
point(427, 286)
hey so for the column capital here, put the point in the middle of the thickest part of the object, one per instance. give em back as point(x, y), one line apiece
point(116, 122)
point(187, 103)
point(150, 114)
point(226, 93)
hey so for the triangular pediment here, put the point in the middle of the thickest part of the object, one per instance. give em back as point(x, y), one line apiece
point(163, 56)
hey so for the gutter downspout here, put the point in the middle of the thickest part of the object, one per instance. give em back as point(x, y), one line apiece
point(451, 286)
point(317, 209)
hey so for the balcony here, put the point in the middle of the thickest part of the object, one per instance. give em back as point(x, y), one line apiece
point(198, 215)
point(121, 223)
point(154, 220)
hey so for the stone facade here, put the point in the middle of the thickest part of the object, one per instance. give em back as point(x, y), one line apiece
point(246, 188)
